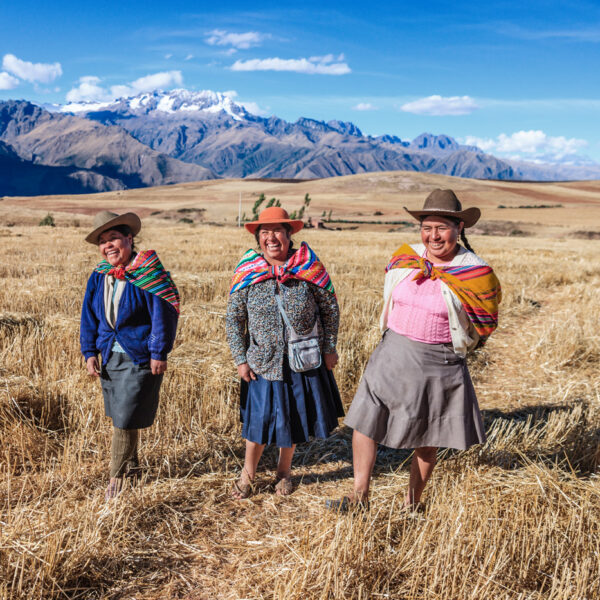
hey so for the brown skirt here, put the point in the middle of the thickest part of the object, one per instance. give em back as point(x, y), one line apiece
point(413, 395)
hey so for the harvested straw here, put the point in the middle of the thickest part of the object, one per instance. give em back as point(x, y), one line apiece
point(516, 518)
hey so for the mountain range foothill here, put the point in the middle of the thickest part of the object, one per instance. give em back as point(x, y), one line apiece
point(163, 138)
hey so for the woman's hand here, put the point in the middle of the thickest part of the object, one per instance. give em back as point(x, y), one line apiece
point(331, 360)
point(158, 367)
point(246, 373)
point(92, 366)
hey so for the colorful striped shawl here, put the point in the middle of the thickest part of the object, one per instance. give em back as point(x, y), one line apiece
point(476, 286)
point(303, 264)
point(146, 272)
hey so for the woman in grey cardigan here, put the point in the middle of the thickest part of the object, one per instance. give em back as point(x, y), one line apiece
point(277, 404)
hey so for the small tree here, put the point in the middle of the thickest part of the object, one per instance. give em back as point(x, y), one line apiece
point(47, 221)
point(273, 202)
point(256, 206)
point(300, 213)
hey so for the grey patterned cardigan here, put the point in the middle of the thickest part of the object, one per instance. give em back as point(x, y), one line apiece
point(255, 329)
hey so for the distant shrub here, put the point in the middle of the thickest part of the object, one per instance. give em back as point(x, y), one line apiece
point(47, 221)
point(191, 210)
point(185, 220)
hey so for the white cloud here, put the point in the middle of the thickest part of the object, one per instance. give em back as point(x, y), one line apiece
point(32, 72)
point(364, 106)
point(439, 106)
point(529, 145)
point(8, 82)
point(251, 107)
point(254, 108)
point(168, 56)
point(580, 34)
point(90, 90)
point(189, 57)
point(149, 83)
point(322, 65)
point(241, 41)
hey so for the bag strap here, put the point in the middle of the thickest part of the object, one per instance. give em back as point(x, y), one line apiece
point(285, 317)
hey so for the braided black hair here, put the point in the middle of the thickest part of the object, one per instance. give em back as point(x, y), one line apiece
point(463, 239)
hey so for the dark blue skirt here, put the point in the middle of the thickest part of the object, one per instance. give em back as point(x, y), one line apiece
point(288, 412)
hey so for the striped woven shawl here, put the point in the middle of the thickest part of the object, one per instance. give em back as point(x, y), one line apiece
point(303, 264)
point(476, 286)
point(146, 272)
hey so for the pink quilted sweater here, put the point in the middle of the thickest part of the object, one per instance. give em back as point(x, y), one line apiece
point(419, 311)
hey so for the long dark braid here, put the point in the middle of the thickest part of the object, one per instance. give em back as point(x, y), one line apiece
point(463, 239)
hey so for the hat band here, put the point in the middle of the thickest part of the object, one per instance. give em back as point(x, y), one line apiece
point(440, 209)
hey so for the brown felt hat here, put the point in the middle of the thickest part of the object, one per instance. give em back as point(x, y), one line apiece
point(106, 220)
point(272, 215)
point(444, 203)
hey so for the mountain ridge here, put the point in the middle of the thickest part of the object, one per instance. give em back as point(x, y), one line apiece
point(110, 156)
point(232, 142)
point(160, 138)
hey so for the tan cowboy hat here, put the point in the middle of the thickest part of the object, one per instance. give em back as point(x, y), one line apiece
point(444, 203)
point(106, 220)
point(272, 215)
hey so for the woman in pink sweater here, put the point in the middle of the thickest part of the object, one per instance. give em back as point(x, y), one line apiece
point(440, 302)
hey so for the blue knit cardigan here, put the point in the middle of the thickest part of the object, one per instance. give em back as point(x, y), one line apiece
point(145, 327)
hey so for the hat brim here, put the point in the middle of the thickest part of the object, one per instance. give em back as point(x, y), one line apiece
point(295, 224)
point(130, 219)
point(469, 216)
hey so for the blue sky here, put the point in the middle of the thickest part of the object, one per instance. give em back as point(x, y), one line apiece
point(517, 78)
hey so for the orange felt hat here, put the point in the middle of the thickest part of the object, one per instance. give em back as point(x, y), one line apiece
point(272, 215)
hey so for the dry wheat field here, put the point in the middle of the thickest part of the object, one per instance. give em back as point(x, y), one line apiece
point(518, 518)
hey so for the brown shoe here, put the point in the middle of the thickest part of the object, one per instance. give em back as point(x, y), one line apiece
point(284, 486)
point(240, 491)
point(347, 505)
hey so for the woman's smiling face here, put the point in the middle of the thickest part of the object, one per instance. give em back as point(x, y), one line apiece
point(115, 247)
point(440, 236)
point(274, 241)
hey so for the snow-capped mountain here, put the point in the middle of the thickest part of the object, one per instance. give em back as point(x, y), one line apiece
point(183, 102)
point(168, 137)
point(51, 153)
point(210, 129)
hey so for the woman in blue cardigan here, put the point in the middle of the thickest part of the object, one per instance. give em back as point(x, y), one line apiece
point(129, 317)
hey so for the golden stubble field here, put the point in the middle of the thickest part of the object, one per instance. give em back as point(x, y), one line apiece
point(518, 518)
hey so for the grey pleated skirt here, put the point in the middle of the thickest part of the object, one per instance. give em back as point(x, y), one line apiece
point(413, 395)
point(130, 392)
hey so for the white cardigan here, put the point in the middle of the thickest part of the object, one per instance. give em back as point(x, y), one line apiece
point(464, 336)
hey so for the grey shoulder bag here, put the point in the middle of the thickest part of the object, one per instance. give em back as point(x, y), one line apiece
point(304, 353)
